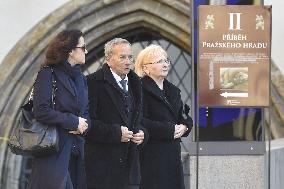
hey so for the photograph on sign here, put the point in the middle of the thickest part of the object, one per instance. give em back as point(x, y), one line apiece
point(235, 79)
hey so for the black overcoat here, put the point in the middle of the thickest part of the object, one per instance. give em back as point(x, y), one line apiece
point(50, 172)
point(109, 162)
point(161, 166)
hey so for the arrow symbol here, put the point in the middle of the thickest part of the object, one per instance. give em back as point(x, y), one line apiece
point(226, 94)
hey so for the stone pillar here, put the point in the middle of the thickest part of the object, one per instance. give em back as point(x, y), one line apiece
point(228, 172)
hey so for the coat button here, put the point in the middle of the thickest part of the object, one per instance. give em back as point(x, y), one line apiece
point(120, 160)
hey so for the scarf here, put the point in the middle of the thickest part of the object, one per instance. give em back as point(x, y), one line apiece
point(77, 82)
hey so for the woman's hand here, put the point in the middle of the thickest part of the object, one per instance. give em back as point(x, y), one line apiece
point(180, 130)
point(82, 127)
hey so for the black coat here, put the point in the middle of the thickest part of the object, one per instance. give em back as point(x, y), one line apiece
point(161, 166)
point(109, 161)
point(50, 172)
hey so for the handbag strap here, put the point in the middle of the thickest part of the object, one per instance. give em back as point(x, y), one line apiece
point(54, 88)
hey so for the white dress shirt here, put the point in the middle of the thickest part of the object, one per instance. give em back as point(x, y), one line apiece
point(118, 79)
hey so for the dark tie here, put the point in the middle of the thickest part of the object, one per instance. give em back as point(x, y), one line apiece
point(123, 84)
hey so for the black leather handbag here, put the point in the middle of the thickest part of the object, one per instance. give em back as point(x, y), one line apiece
point(30, 137)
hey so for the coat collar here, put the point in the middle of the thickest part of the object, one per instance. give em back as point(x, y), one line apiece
point(171, 92)
point(107, 75)
point(64, 79)
point(133, 80)
point(134, 83)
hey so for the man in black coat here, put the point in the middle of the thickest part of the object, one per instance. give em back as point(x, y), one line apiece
point(115, 109)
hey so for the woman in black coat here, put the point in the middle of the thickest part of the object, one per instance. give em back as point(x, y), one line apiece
point(64, 169)
point(161, 166)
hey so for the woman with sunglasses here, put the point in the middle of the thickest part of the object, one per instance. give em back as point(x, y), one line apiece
point(69, 113)
point(160, 160)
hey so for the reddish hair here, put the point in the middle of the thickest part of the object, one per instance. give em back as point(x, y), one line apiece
point(59, 47)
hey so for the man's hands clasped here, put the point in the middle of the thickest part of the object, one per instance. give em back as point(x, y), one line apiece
point(127, 135)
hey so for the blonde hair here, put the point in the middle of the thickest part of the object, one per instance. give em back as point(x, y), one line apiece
point(144, 56)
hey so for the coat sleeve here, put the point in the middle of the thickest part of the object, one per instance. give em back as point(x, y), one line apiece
point(184, 117)
point(146, 136)
point(86, 109)
point(159, 129)
point(140, 122)
point(42, 100)
point(100, 132)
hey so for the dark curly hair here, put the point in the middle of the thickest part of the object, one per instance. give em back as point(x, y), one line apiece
point(58, 49)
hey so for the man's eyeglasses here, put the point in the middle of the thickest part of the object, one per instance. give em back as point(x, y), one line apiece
point(162, 61)
point(84, 48)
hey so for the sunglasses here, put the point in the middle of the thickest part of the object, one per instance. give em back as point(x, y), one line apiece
point(84, 48)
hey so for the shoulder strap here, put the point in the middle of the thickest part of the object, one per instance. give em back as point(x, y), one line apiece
point(54, 88)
